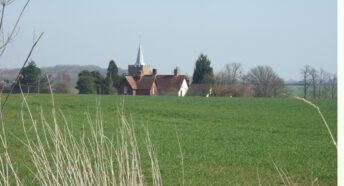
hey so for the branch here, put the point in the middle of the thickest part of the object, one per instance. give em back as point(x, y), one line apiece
point(9, 38)
point(21, 70)
point(2, 14)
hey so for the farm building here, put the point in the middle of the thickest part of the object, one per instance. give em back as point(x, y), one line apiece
point(141, 81)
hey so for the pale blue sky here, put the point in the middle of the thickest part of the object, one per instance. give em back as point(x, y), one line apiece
point(285, 34)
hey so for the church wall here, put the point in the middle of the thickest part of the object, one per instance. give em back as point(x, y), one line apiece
point(134, 69)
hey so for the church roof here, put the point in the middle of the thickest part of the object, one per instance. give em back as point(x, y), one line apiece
point(139, 60)
point(146, 82)
point(131, 81)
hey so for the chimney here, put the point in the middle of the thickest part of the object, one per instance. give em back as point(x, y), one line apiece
point(140, 74)
point(155, 71)
point(176, 71)
point(189, 82)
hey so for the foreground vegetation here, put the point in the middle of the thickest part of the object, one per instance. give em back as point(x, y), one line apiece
point(223, 140)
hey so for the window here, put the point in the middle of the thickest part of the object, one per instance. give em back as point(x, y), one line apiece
point(125, 90)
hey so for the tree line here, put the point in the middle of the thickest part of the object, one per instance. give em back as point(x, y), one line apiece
point(94, 83)
point(318, 83)
point(32, 80)
point(261, 81)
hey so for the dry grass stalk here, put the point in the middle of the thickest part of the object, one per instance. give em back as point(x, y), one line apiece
point(258, 177)
point(6, 167)
point(156, 177)
point(322, 117)
point(284, 177)
point(181, 154)
point(59, 158)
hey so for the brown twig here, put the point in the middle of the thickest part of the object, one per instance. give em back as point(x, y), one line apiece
point(9, 38)
point(21, 70)
point(322, 117)
point(2, 14)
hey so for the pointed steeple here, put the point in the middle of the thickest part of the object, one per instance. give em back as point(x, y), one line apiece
point(139, 60)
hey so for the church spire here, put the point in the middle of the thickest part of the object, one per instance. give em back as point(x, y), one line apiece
point(139, 60)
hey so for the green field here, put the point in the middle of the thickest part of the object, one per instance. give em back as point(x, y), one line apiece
point(295, 90)
point(225, 141)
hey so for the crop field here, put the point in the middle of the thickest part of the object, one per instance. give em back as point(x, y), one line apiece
point(295, 90)
point(224, 141)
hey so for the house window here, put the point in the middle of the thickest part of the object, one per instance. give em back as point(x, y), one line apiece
point(125, 90)
point(153, 91)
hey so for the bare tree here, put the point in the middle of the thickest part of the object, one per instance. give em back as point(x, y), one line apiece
point(321, 84)
point(305, 74)
point(266, 82)
point(313, 81)
point(63, 83)
point(234, 70)
point(333, 86)
point(226, 81)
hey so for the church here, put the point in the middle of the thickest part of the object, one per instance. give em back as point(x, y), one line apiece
point(142, 80)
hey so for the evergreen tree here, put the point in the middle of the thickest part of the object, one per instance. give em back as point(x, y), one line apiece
point(29, 79)
point(203, 72)
point(86, 85)
point(93, 82)
point(112, 74)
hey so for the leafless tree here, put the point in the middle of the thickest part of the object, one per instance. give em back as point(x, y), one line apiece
point(63, 83)
point(266, 82)
point(333, 86)
point(226, 81)
point(230, 74)
point(313, 81)
point(305, 74)
point(322, 84)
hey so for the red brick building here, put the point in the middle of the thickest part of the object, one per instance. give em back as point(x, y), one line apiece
point(142, 82)
point(138, 85)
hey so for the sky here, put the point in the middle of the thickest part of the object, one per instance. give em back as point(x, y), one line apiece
point(284, 34)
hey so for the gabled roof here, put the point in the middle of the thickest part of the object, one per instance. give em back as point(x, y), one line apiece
point(146, 82)
point(169, 82)
point(131, 81)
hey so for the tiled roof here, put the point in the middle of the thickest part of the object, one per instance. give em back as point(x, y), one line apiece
point(146, 82)
point(169, 82)
point(164, 82)
point(131, 81)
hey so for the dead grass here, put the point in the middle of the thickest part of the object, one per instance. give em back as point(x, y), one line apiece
point(60, 158)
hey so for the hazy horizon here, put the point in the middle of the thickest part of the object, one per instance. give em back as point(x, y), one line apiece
point(285, 35)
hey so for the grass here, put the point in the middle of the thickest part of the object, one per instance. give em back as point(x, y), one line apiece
point(295, 90)
point(223, 140)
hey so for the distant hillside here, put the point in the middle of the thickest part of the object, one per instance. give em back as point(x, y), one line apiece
point(73, 70)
